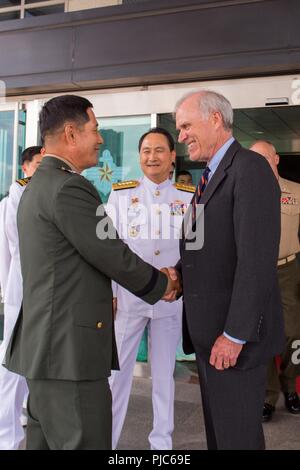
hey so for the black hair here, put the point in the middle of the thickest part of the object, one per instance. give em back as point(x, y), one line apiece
point(61, 109)
point(183, 172)
point(29, 153)
point(158, 130)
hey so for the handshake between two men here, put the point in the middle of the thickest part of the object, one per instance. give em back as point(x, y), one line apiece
point(174, 286)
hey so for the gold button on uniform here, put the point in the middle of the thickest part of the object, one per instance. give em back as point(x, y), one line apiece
point(99, 324)
point(157, 232)
point(158, 211)
point(157, 252)
point(157, 192)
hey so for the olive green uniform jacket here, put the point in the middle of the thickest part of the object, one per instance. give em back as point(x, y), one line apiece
point(65, 329)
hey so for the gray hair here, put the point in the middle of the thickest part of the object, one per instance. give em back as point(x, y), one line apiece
point(209, 102)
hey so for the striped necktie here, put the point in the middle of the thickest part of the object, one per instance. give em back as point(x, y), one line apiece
point(200, 190)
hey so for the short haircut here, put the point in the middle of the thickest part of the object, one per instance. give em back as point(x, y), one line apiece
point(29, 153)
point(209, 102)
point(260, 141)
point(183, 173)
point(159, 130)
point(61, 109)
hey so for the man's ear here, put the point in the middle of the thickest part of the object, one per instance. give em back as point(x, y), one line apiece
point(70, 134)
point(277, 159)
point(217, 119)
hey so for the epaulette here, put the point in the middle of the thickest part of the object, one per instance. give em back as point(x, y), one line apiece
point(23, 181)
point(125, 185)
point(185, 187)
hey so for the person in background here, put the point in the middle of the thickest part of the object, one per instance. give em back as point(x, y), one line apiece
point(284, 379)
point(13, 387)
point(148, 215)
point(184, 177)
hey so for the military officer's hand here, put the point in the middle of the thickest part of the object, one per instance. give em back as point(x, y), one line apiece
point(224, 353)
point(114, 305)
point(174, 287)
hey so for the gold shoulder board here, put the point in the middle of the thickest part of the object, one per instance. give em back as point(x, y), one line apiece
point(185, 187)
point(23, 181)
point(125, 185)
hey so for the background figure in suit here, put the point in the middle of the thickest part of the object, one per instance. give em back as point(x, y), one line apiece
point(64, 341)
point(13, 387)
point(289, 283)
point(233, 319)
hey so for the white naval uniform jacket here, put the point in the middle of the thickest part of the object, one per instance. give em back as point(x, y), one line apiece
point(13, 284)
point(5, 257)
point(148, 218)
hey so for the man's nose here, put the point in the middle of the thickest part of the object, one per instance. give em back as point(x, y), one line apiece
point(182, 136)
point(100, 138)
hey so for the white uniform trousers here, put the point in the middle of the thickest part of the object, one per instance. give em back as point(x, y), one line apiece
point(13, 391)
point(164, 334)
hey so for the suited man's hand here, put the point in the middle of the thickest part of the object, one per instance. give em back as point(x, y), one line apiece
point(174, 287)
point(224, 353)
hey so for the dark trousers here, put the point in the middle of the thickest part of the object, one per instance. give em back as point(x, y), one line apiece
point(285, 379)
point(232, 401)
point(65, 415)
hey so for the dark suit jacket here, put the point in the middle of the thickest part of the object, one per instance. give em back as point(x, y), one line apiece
point(231, 283)
point(65, 330)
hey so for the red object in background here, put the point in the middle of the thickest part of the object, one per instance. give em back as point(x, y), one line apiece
point(298, 378)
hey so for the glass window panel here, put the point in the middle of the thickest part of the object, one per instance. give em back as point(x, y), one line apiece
point(9, 3)
point(44, 10)
point(12, 15)
point(21, 140)
point(118, 156)
point(6, 150)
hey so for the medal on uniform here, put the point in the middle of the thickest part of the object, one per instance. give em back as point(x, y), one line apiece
point(178, 208)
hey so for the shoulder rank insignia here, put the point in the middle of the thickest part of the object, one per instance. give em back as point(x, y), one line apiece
point(185, 187)
point(23, 181)
point(125, 185)
point(64, 168)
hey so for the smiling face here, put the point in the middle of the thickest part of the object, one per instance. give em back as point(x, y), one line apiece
point(156, 157)
point(202, 136)
point(88, 141)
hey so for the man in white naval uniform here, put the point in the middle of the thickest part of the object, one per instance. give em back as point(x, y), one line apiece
point(13, 388)
point(148, 216)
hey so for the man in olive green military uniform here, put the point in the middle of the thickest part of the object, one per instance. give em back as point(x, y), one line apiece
point(289, 283)
point(63, 342)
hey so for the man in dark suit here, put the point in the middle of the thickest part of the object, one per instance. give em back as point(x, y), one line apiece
point(64, 340)
point(233, 319)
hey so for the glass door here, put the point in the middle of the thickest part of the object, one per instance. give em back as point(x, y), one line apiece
point(12, 144)
point(118, 156)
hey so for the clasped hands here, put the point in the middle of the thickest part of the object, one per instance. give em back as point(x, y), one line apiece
point(174, 287)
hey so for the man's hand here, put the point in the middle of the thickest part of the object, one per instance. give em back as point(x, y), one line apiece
point(174, 287)
point(224, 353)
